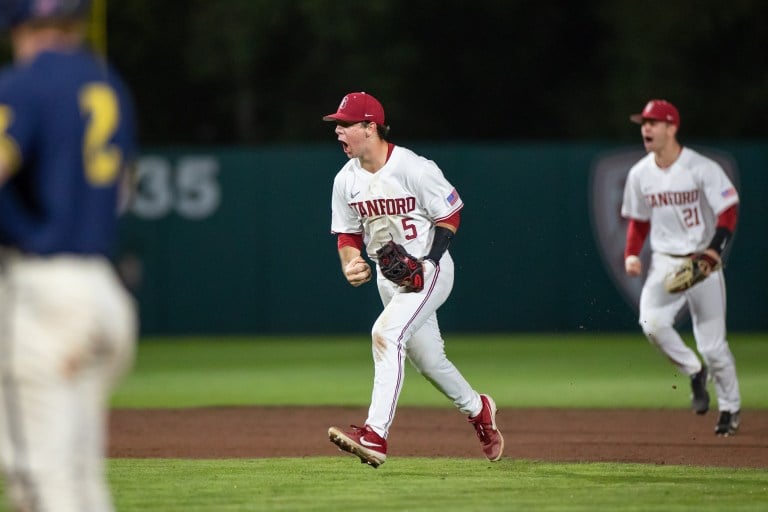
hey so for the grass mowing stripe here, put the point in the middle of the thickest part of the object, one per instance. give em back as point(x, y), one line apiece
point(521, 370)
point(445, 484)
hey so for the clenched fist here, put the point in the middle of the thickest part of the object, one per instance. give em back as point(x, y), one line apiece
point(357, 271)
point(633, 266)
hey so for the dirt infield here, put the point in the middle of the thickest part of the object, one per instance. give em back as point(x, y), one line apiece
point(645, 436)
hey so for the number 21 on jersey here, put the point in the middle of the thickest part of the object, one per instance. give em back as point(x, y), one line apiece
point(691, 217)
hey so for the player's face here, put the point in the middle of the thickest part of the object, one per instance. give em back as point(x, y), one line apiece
point(656, 134)
point(353, 137)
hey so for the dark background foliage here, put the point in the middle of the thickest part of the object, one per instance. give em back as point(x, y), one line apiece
point(265, 71)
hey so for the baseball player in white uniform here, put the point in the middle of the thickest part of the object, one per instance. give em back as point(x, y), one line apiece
point(387, 192)
point(689, 206)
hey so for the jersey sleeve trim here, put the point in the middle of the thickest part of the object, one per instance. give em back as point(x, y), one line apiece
point(448, 218)
point(637, 232)
point(454, 220)
point(728, 218)
point(731, 199)
point(350, 240)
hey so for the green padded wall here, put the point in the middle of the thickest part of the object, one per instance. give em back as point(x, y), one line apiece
point(237, 240)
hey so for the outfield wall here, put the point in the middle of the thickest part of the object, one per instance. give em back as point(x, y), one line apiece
point(237, 240)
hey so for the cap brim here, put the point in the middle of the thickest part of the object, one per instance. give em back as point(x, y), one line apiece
point(338, 116)
point(640, 118)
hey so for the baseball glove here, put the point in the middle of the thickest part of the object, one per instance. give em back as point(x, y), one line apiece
point(690, 272)
point(400, 267)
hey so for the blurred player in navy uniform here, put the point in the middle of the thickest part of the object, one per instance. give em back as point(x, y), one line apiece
point(67, 326)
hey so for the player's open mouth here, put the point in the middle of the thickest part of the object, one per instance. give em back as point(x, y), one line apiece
point(344, 145)
point(648, 139)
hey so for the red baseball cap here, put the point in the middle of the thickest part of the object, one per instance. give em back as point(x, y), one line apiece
point(356, 107)
point(659, 110)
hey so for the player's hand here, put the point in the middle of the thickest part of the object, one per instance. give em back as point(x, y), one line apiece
point(709, 261)
point(357, 271)
point(633, 266)
point(429, 265)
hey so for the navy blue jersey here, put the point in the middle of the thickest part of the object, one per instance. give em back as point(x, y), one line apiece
point(67, 127)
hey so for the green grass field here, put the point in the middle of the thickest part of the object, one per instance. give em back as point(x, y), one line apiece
point(568, 370)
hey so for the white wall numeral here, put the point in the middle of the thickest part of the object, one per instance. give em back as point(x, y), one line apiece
point(191, 189)
point(153, 198)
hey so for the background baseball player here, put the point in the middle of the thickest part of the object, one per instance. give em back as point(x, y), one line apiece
point(388, 193)
point(689, 206)
point(67, 326)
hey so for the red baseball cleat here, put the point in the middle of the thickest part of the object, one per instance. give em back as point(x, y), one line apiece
point(485, 426)
point(361, 441)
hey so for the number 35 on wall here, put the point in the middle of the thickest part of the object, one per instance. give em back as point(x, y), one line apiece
point(191, 189)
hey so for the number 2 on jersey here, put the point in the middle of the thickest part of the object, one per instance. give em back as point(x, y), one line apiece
point(102, 160)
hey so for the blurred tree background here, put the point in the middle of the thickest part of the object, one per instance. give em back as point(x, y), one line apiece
point(252, 72)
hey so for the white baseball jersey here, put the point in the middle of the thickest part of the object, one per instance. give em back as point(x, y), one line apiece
point(400, 202)
point(403, 201)
point(681, 202)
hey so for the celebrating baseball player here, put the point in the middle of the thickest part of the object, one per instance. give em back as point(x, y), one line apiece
point(400, 209)
point(689, 206)
point(67, 325)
